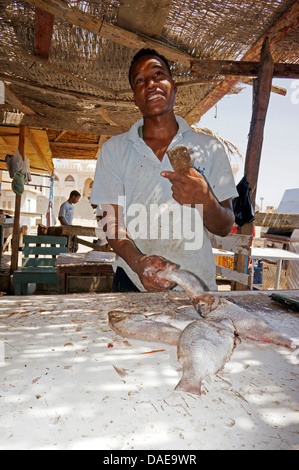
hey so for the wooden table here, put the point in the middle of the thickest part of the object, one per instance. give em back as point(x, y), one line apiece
point(72, 264)
point(70, 382)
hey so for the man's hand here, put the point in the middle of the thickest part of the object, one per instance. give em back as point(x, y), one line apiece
point(192, 188)
point(188, 188)
point(148, 267)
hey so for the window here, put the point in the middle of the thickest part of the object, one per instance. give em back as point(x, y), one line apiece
point(69, 179)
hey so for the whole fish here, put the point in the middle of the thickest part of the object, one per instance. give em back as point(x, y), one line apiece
point(204, 347)
point(246, 324)
point(138, 326)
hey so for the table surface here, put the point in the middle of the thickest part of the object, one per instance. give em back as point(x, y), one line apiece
point(273, 254)
point(62, 388)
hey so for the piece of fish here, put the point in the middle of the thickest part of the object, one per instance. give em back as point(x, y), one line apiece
point(186, 280)
point(138, 326)
point(204, 348)
point(246, 324)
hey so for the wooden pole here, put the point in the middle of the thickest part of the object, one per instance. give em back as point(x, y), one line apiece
point(262, 92)
point(16, 225)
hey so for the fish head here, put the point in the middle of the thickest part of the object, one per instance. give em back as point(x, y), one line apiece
point(205, 304)
point(116, 316)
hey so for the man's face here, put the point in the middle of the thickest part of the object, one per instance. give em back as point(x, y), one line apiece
point(75, 199)
point(153, 88)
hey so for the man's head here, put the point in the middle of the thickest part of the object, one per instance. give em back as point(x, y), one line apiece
point(143, 53)
point(74, 197)
point(152, 84)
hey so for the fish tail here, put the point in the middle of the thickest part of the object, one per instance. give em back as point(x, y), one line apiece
point(185, 386)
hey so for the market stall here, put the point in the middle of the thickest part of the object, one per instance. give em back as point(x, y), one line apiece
point(70, 382)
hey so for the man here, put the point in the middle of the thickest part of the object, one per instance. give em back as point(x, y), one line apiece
point(66, 211)
point(134, 168)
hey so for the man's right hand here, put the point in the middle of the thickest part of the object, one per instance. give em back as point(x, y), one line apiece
point(147, 268)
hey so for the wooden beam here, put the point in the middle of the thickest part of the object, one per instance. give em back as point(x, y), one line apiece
point(2, 139)
point(18, 199)
point(145, 16)
point(259, 113)
point(69, 125)
point(285, 221)
point(16, 102)
point(78, 145)
point(44, 22)
point(36, 146)
point(105, 115)
point(284, 26)
point(61, 134)
point(84, 20)
point(262, 92)
point(102, 140)
point(68, 94)
point(240, 68)
point(275, 89)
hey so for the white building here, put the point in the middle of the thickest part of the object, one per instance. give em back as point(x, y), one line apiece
point(68, 175)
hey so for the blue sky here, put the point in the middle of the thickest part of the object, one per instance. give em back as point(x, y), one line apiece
point(279, 167)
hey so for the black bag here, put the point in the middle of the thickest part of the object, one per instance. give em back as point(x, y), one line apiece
point(242, 205)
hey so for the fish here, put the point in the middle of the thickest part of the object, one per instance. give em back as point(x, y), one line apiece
point(247, 325)
point(138, 326)
point(188, 281)
point(204, 348)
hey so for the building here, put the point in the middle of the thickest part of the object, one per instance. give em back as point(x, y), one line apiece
point(68, 175)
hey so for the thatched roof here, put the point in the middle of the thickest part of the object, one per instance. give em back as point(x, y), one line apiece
point(77, 87)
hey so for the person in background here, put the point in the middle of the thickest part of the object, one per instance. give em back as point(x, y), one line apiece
point(66, 211)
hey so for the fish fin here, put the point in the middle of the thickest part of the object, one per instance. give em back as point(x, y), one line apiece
point(185, 386)
point(208, 379)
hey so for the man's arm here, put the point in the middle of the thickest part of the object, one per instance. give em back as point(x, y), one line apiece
point(62, 220)
point(192, 189)
point(145, 266)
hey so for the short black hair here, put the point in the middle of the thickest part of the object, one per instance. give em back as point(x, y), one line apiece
point(144, 52)
point(75, 193)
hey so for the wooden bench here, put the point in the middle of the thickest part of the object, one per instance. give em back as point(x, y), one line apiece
point(39, 254)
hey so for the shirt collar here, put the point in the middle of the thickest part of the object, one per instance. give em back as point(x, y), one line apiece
point(183, 127)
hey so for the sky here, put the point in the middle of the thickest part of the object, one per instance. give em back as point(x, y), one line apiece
point(279, 165)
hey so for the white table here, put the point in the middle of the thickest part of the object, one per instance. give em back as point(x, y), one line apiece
point(273, 254)
point(218, 252)
point(60, 390)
